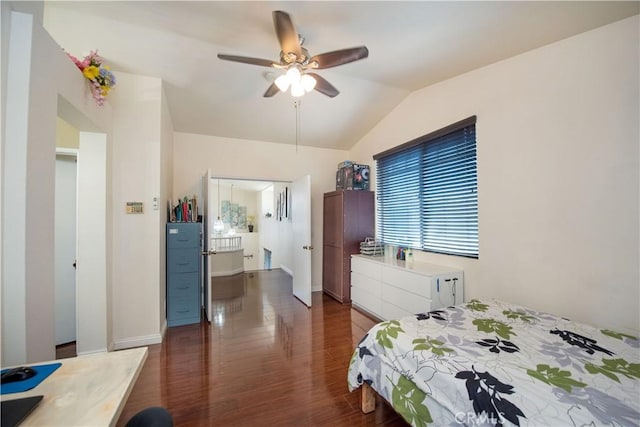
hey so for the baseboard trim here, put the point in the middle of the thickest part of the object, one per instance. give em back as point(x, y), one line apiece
point(84, 353)
point(286, 270)
point(163, 330)
point(138, 341)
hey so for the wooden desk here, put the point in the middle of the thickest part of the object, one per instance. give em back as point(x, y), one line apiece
point(88, 390)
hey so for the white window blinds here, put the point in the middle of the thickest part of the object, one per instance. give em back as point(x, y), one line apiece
point(427, 192)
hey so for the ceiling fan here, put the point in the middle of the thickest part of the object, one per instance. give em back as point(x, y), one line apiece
point(296, 60)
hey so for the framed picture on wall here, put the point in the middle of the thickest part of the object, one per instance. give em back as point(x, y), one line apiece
point(281, 207)
point(286, 202)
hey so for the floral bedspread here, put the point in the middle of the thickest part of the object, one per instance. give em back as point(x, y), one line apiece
point(494, 363)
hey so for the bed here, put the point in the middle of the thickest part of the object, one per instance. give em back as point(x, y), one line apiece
point(495, 363)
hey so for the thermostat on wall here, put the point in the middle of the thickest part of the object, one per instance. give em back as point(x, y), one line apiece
point(134, 207)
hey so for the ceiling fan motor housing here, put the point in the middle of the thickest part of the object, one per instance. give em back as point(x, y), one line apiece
point(291, 58)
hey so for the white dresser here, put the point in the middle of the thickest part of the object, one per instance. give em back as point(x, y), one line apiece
point(392, 289)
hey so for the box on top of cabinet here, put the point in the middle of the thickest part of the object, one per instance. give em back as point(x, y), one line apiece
point(353, 177)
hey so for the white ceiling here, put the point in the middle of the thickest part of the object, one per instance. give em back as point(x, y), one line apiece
point(411, 44)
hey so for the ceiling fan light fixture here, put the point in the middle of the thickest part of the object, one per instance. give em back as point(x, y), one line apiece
point(297, 89)
point(282, 82)
point(293, 74)
point(295, 79)
point(307, 82)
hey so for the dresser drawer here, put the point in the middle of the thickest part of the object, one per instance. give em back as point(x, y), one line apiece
point(412, 282)
point(393, 312)
point(366, 268)
point(183, 235)
point(183, 260)
point(410, 302)
point(367, 301)
point(366, 283)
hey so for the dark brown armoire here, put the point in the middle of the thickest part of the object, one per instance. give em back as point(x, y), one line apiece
point(348, 218)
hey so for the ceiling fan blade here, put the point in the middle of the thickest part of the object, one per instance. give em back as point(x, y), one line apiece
point(271, 90)
point(286, 32)
point(339, 57)
point(323, 86)
point(246, 60)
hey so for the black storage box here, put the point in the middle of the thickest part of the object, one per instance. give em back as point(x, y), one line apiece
point(353, 177)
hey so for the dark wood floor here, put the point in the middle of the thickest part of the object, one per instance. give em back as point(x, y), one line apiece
point(265, 360)
point(64, 351)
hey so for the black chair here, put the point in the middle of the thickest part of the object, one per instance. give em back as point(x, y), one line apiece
point(154, 416)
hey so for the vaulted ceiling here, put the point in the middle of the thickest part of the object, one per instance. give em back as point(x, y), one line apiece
point(411, 45)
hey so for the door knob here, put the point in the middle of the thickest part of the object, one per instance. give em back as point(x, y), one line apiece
point(310, 248)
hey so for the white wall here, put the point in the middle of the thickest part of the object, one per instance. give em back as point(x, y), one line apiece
point(235, 158)
point(277, 236)
point(166, 193)
point(15, 128)
point(558, 181)
point(139, 122)
point(265, 224)
point(93, 333)
point(250, 247)
point(66, 135)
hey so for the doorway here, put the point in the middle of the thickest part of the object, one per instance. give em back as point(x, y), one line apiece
point(65, 249)
point(272, 203)
point(240, 203)
point(75, 132)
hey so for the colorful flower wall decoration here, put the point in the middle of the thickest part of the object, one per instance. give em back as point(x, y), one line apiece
point(101, 78)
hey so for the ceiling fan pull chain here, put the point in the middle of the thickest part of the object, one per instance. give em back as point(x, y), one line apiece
point(296, 104)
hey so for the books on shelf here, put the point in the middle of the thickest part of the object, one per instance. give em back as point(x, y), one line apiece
point(185, 210)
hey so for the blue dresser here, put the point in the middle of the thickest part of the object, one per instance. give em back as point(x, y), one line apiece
point(183, 273)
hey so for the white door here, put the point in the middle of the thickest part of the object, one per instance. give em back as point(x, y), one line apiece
point(207, 226)
point(65, 249)
point(302, 247)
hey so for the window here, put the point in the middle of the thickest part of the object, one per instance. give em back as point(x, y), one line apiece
point(427, 194)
